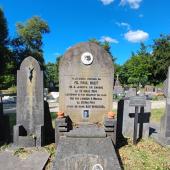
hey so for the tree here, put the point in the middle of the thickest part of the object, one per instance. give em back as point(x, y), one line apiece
point(137, 69)
point(161, 58)
point(105, 45)
point(6, 64)
point(29, 39)
point(52, 72)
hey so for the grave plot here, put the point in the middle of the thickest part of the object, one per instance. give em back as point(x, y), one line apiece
point(84, 132)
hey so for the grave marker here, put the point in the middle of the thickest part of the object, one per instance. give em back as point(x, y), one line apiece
point(86, 79)
point(31, 111)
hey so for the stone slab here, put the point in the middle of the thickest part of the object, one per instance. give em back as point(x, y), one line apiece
point(35, 161)
point(87, 132)
point(84, 153)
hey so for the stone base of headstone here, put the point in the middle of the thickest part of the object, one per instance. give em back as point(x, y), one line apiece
point(126, 116)
point(86, 148)
point(21, 138)
point(110, 128)
point(4, 129)
point(62, 125)
point(43, 134)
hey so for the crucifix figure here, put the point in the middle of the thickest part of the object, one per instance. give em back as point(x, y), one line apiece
point(30, 73)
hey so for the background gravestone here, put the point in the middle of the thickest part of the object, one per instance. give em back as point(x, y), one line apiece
point(4, 124)
point(125, 119)
point(164, 136)
point(86, 83)
point(118, 89)
point(32, 123)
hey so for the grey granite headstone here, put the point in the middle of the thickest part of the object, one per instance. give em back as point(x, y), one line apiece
point(86, 79)
point(31, 123)
point(118, 89)
point(164, 136)
point(131, 92)
point(126, 114)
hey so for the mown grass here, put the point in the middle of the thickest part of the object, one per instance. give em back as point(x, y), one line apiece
point(146, 155)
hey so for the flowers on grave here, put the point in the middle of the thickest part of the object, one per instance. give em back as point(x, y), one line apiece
point(111, 115)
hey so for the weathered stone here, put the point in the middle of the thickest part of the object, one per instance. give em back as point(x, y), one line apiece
point(87, 132)
point(164, 136)
point(85, 153)
point(35, 161)
point(86, 88)
point(86, 83)
point(118, 89)
point(126, 114)
point(110, 127)
point(131, 92)
point(33, 116)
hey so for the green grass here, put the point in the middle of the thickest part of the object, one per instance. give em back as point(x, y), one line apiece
point(147, 155)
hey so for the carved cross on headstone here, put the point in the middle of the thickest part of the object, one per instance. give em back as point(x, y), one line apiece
point(30, 73)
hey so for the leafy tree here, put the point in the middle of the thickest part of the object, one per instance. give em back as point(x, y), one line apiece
point(161, 58)
point(6, 64)
point(137, 70)
point(105, 45)
point(52, 71)
point(29, 39)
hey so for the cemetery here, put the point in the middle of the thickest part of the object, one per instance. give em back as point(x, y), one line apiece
point(84, 111)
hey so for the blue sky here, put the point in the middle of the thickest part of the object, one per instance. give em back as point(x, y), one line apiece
point(125, 23)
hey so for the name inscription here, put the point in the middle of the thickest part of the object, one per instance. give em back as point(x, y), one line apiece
point(86, 93)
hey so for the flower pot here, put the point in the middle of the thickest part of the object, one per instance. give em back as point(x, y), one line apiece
point(60, 114)
point(111, 115)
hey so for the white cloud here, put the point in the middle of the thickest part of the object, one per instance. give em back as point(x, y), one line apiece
point(123, 24)
point(134, 4)
point(106, 2)
point(136, 36)
point(109, 39)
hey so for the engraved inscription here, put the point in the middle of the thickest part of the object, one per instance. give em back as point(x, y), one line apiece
point(86, 93)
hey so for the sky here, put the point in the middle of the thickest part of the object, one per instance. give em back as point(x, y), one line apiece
point(124, 23)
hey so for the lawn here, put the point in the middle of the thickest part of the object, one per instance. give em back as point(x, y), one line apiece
point(147, 155)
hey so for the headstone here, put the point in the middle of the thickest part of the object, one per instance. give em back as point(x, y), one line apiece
point(33, 123)
point(149, 88)
point(137, 102)
point(164, 136)
point(86, 79)
point(131, 92)
point(126, 117)
point(118, 89)
point(4, 124)
point(86, 89)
